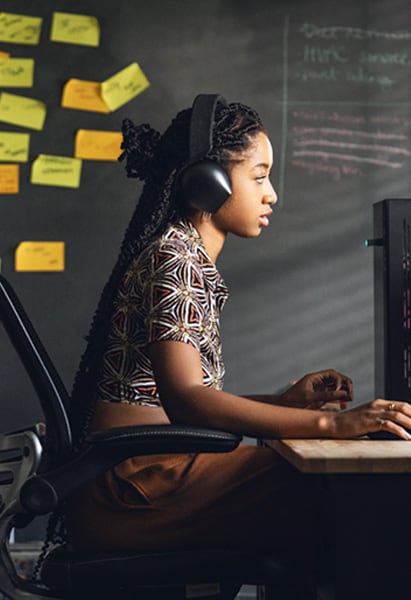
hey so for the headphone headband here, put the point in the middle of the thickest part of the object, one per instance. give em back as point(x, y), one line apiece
point(201, 124)
point(204, 183)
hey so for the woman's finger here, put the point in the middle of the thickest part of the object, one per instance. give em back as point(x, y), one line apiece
point(394, 417)
point(392, 427)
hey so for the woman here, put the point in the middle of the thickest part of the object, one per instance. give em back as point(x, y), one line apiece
point(154, 356)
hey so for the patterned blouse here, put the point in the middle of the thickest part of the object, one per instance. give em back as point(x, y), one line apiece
point(172, 291)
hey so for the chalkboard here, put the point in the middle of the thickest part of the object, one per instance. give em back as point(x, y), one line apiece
point(332, 83)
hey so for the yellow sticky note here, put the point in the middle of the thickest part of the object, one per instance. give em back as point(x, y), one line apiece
point(123, 86)
point(9, 179)
point(19, 110)
point(75, 29)
point(14, 147)
point(16, 72)
point(62, 171)
point(97, 145)
point(20, 29)
point(39, 256)
point(4, 54)
point(83, 95)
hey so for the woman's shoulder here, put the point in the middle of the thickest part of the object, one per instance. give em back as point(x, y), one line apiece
point(175, 254)
point(177, 242)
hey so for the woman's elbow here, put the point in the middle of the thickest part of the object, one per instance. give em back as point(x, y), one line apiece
point(183, 409)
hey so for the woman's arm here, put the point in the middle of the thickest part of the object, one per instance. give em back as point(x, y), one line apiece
point(178, 373)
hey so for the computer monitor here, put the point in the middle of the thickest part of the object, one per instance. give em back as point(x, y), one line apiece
point(392, 298)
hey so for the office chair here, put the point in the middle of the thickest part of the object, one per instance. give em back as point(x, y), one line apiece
point(38, 470)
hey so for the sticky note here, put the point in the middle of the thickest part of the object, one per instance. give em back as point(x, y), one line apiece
point(9, 179)
point(72, 28)
point(39, 256)
point(61, 171)
point(16, 72)
point(83, 95)
point(97, 145)
point(19, 110)
point(4, 54)
point(123, 86)
point(14, 147)
point(20, 29)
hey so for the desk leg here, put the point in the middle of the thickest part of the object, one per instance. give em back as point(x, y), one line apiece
point(373, 536)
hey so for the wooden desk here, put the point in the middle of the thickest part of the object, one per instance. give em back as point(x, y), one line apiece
point(370, 488)
point(346, 456)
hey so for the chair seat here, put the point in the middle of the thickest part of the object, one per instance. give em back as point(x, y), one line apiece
point(68, 572)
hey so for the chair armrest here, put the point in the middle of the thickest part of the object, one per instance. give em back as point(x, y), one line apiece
point(42, 493)
point(165, 439)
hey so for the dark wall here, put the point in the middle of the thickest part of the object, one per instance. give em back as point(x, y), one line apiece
point(332, 83)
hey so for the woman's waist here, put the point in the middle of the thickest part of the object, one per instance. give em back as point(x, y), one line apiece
point(119, 414)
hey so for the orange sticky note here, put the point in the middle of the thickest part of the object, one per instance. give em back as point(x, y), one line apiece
point(4, 54)
point(9, 179)
point(39, 256)
point(83, 95)
point(97, 145)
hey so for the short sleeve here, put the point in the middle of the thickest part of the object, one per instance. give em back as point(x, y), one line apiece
point(175, 300)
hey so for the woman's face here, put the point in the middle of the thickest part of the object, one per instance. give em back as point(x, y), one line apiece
point(248, 208)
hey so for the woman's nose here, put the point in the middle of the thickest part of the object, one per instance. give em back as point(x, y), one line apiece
point(271, 196)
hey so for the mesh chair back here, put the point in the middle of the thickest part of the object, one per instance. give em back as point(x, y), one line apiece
point(49, 387)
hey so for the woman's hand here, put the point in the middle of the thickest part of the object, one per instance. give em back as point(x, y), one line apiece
point(317, 389)
point(378, 415)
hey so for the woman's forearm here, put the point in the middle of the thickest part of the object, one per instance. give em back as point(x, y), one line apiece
point(208, 407)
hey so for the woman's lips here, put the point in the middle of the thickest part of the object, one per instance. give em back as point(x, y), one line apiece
point(264, 219)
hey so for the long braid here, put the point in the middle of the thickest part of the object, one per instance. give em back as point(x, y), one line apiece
point(156, 160)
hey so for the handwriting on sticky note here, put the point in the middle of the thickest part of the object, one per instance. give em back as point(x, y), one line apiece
point(71, 28)
point(20, 29)
point(83, 95)
point(14, 147)
point(62, 171)
point(39, 256)
point(16, 72)
point(123, 86)
point(97, 145)
point(9, 179)
point(19, 110)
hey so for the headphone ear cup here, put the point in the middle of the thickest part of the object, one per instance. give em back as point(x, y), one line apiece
point(205, 185)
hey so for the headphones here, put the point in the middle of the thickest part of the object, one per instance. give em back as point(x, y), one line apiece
point(204, 183)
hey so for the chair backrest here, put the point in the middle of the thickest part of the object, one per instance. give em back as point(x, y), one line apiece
point(49, 387)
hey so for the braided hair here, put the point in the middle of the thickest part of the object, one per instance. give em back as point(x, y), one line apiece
point(156, 160)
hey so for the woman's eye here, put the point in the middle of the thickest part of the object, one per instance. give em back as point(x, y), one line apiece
point(260, 179)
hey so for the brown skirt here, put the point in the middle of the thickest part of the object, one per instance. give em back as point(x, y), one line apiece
point(250, 496)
